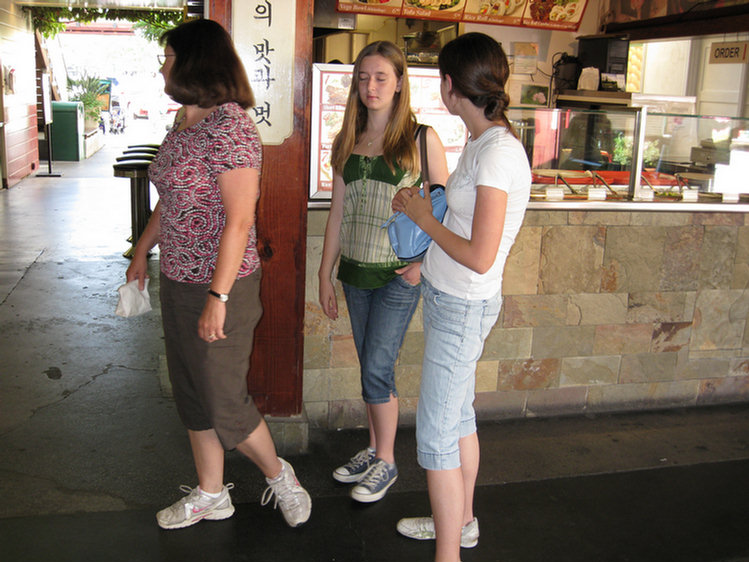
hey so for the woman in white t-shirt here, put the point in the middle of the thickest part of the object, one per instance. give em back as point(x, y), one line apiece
point(487, 195)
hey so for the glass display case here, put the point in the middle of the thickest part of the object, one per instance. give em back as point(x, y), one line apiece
point(631, 155)
point(615, 158)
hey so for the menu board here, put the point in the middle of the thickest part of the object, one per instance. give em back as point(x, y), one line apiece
point(562, 15)
point(330, 88)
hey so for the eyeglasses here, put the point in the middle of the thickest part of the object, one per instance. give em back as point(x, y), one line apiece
point(162, 58)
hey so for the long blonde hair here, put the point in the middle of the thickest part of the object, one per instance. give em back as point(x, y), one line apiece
point(399, 145)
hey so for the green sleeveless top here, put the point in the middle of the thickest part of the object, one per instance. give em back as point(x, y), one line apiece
point(367, 258)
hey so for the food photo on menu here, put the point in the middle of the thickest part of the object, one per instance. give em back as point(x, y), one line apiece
point(555, 10)
point(496, 7)
point(433, 4)
point(336, 86)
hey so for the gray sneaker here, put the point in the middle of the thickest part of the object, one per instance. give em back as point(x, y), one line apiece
point(195, 507)
point(294, 500)
point(376, 482)
point(354, 469)
point(422, 529)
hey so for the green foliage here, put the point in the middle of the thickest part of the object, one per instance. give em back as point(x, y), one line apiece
point(50, 21)
point(623, 151)
point(652, 153)
point(87, 90)
point(151, 31)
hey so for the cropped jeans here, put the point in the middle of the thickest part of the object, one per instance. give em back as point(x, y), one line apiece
point(379, 320)
point(455, 330)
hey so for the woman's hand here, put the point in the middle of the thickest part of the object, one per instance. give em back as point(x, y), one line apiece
point(138, 269)
point(328, 299)
point(411, 273)
point(211, 322)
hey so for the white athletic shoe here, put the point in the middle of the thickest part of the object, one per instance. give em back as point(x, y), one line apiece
point(294, 500)
point(195, 507)
point(422, 529)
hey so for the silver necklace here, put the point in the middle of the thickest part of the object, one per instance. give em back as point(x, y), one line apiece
point(371, 142)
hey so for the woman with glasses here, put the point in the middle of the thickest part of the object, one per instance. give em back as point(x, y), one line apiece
point(207, 173)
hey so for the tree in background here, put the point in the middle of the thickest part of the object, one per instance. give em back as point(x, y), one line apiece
point(49, 21)
point(88, 90)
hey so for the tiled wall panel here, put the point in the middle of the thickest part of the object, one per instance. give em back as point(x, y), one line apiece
point(602, 312)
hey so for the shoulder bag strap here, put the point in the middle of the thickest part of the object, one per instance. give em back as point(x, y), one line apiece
point(423, 150)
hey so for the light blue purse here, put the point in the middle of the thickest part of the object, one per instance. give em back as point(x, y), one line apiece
point(409, 242)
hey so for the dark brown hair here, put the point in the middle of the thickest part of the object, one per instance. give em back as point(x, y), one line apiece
point(399, 146)
point(206, 70)
point(478, 68)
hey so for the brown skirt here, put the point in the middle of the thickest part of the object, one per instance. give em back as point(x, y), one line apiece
point(209, 380)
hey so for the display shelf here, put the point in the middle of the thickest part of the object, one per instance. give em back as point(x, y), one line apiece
point(631, 155)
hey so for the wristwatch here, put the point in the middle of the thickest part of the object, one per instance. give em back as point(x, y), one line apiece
point(220, 296)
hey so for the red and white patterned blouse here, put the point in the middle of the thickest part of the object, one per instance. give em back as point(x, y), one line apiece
point(185, 172)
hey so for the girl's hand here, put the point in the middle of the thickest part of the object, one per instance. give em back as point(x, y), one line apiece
point(399, 200)
point(411, 273)
point(328, 299)
point(211, 322)
point(417, 208)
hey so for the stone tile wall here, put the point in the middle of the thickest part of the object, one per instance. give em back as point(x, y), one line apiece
point(603, 311)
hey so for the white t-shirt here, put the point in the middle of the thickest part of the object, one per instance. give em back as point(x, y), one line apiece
point(495, 159)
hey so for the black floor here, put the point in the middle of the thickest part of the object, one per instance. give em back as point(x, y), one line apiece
point(687, 514)
point(694, 508)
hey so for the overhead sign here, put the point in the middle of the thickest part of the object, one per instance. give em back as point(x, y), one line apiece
point(545, 14)
point(723, 53)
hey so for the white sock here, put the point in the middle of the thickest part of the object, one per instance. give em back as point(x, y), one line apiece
point(209, 495)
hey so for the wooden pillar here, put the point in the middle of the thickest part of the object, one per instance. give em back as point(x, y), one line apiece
point(275, 377)
point(220, 11)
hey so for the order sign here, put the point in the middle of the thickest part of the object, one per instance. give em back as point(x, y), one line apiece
point(721, 53)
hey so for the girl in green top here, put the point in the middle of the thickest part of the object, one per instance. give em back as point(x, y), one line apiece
point(374, 155)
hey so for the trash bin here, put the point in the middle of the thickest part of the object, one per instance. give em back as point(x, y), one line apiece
point(67, 131)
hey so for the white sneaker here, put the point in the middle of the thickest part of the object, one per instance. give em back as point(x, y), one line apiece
point(195, 507)
point(422, 529)
point(294, 500)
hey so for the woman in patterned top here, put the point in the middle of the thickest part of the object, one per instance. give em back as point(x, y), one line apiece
point(374, 155)
point(207, 173)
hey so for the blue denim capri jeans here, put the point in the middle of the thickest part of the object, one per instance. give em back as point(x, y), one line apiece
point(455, 330)
point(379, 320)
